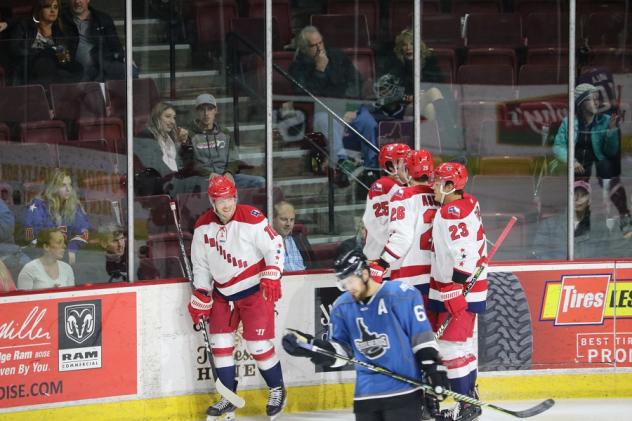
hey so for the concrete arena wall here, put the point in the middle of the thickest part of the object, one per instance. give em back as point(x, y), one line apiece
point(170, 378)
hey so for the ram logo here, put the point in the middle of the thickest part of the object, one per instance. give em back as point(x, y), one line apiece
point(79, 322)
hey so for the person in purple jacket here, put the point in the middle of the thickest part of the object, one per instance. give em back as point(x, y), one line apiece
point(58, 207)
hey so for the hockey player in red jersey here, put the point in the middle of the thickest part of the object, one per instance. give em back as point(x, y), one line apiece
point(459, 244)
point(412, 210)
point(376, 214)
point(237, 264)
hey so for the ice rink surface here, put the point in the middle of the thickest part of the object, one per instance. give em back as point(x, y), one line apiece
point(564, 410)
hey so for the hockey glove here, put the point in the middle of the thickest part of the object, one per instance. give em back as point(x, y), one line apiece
point(270, 284)
point(437, 376)
point(291, 345)
point(377, 268)
point(200, 305)
point(453, 299)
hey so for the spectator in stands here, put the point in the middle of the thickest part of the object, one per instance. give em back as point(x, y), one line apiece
point(58, 207)
point(592, 237)
point(323, 71)
point(112, 240)
point(400, 63)
point(354, 243)
point(48, 271)
point(298, 252)
point(38, 48)
point(157, 150)
point(597, 141)
point(11, 255)
point(213, 150)
point(93, 42)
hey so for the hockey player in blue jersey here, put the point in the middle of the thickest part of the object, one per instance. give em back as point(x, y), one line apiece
point(383, 324)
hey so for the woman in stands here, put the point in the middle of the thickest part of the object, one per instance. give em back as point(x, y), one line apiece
point(38, 51)
point(6, 280)
point(48, 271)
point(157, 150)
point(58, 207)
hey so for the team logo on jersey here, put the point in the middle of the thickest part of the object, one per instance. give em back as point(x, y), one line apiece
point(453, 210)
point(255, 212)
point(377, 187)
point(371, 344)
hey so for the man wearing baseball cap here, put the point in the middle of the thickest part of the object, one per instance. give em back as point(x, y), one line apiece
point(214, 152)
point(597, 141)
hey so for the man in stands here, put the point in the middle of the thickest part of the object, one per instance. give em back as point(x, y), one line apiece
point(93, 42)
point(298, 251)
point(213, 150)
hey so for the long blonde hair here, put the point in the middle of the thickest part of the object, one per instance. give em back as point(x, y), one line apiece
point(155, 125)
point(404, 37)
point(60, 210)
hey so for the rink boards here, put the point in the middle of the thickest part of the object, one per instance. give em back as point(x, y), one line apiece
point(129, 352)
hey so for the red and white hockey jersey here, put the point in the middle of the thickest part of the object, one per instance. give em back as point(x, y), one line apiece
point(408, 249)
point(376, 215)
point(458, 240)
point(231, 257)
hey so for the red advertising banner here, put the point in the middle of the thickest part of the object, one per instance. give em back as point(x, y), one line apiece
point(573, 315)
point(67, 349)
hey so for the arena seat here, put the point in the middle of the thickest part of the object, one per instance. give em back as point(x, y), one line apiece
point(616, 60)
point(362, 59)
point(169, 267)
point(604, 29)
point(190, 207)
point(2, 77)
point(515, 245)
point(400, 14)
point(369, 8)
point(446, 59)
point(160, 219)
point(110, 128)
point(253, 30)
point(20, 104)
point(73, 101)
point(167, 244)
point(48, 131)
point(543, 30)
point(548, 56)
point(486, 30)
point(441, 31)
point(552, 195)
point(281, 13)
point(212, 20)
point(280, 85)
point(343, 31)
point(535, 74)
point(145, 97)
point(493, 56)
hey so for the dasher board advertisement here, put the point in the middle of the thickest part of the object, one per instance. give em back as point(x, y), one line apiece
point(67, 349)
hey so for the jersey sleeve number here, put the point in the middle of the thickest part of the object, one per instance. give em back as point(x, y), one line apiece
point(458, 231)
point(381, 209)
point(398, 213)
point(420, 314)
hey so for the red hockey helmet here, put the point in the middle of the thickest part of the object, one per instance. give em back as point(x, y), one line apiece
point(419, 163)
point(392, 153)
point(220, 187)
point(453, 172)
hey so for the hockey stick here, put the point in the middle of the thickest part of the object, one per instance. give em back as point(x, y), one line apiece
point(225, 392)
point(470, 283)
point(526, 413)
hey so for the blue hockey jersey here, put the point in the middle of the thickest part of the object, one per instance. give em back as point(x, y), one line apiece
point(386, 331)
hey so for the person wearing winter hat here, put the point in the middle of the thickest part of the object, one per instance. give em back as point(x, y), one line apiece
point(597, 141)
point(213, 150)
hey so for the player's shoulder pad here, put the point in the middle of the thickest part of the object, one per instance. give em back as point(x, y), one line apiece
point(382, 186)
point(344, 298)
point(206, 218)
point(248, 214)
point(459, 209)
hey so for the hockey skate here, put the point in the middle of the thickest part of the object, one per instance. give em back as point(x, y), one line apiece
point(430, 408)
point(460, 412)
point(221, 410)
point(277, 399)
